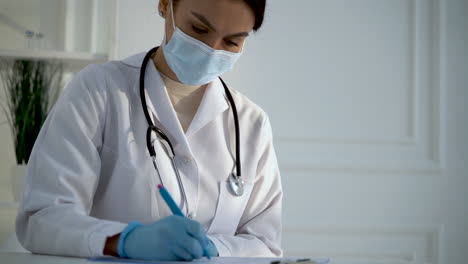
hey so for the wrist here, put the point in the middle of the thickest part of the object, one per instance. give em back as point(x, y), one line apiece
point(123, 236)
point(110, 247)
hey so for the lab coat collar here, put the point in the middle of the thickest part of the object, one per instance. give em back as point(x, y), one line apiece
point(161, 106)
point(134, 60)
point(213, 103)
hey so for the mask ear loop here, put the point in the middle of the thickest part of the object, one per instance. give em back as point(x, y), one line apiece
point(172, 15)
point(171, 6)
point(243, 47)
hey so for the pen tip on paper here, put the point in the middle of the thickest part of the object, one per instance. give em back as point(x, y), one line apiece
point(159, 186)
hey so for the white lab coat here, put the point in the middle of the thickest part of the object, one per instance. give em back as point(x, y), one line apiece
point(90, 173)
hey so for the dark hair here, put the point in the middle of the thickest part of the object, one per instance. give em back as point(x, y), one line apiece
point(258, 8)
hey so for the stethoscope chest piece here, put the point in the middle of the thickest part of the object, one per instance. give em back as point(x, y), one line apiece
point(236, 185)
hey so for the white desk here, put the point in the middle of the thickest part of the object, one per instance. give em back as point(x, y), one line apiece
point(28, 258)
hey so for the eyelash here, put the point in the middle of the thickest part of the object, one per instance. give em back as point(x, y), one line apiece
point(202, 31)
point(199, 30)
point(231, 43)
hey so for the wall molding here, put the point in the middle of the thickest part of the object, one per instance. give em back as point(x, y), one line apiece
point(409, 244)
point(418, 152)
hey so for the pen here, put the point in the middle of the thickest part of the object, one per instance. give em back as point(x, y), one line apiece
point(176, 210)
point(297, 261)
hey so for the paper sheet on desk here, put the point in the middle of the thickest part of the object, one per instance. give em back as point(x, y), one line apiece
point(216, 260)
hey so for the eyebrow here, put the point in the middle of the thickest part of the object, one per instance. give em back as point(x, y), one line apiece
point(208, 24)
point(238, 35)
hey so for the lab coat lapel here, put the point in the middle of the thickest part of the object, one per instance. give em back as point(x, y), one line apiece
point(161, 106)
point(213, 103)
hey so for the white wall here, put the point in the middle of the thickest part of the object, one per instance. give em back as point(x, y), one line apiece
point(368, 102)
point(140, 28)
point(7, 208)
point(455, 187)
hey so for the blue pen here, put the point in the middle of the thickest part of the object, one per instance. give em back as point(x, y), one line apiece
point(175, 209)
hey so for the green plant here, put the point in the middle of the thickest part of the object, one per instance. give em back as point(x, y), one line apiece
point(31, 88)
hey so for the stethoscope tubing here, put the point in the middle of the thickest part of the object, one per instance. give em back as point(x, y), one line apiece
point(236, 122)
point(170, 149)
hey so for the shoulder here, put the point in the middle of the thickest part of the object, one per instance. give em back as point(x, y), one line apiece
point(112, 69)
point(97, 77)
point(117, 68)
point(129, 65)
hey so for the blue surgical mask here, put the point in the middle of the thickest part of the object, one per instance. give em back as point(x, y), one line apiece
point(194, 62)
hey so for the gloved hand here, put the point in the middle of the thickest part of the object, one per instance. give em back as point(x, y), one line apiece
point(171, 238)
point(211, 248)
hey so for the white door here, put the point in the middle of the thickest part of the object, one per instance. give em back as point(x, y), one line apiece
point(367, 100)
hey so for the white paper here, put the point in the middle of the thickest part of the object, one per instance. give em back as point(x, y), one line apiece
point(215, 260)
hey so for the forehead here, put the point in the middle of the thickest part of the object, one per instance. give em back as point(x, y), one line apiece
point(230, 15)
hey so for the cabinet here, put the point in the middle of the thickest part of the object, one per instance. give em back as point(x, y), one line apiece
point(77, 32)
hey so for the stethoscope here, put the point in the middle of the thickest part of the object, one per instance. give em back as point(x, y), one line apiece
point(236, 183)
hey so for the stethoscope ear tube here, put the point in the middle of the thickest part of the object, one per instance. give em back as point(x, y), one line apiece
point(151, 126)
point(142, 85)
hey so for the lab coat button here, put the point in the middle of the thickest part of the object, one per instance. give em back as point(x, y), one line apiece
point(186, 160)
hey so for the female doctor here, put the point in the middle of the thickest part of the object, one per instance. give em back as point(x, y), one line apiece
point(163, 117)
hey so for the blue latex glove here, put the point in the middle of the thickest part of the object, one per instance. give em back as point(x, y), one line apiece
point(171, 238)
point(211, 248)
